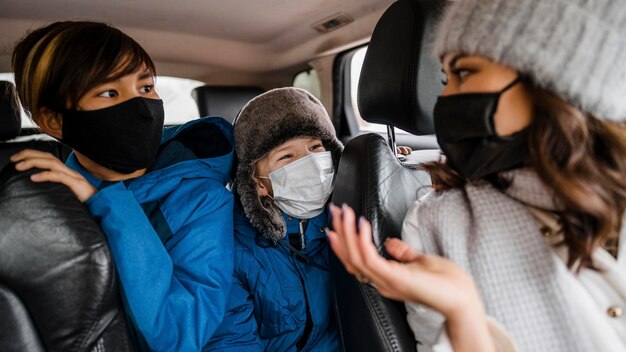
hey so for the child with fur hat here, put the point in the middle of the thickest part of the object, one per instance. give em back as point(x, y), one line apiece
point(281, 295)
point(526, 221)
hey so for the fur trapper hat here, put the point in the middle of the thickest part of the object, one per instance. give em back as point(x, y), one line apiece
point(574, 48)
point(266, 122)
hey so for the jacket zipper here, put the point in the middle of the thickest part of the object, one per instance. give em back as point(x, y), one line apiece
point(308, 326)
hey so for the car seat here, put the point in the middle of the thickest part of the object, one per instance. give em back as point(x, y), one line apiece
point(11, 126)
point(58, 285)
point(398, 87)
point(224, 101)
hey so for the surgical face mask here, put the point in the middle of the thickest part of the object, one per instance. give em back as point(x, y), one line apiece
point(465, 129)
point(302, 187)
point(124, 137)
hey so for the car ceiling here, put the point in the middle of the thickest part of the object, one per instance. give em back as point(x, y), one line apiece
point(205, 39)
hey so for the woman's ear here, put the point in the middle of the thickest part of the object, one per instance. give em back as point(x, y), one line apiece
point(50, 122)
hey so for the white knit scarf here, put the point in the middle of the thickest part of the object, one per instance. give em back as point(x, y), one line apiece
point(494, 237)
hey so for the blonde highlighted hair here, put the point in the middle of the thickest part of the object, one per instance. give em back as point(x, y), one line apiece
point(56, 65)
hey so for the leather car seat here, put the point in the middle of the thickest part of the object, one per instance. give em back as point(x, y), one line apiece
point(11, 127)
point(224, 101)
point(58, 285)
point(398, 86)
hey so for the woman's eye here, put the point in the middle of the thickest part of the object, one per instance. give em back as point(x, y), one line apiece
point(461, 73)
point(147, 88)
point(111, 93)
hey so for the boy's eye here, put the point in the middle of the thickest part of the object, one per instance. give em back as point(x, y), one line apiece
point(110, 93)
point(147, 88)
point(315, 147)
point(285, 157)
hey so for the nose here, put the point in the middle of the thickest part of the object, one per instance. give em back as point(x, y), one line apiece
point(448, 90)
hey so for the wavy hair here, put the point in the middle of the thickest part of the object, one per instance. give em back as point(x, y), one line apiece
point(582, 158)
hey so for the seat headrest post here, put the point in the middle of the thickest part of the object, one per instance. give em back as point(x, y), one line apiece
point(391, 138)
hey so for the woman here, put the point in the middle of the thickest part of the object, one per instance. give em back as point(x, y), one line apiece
point(528, 208)
point(281, 296)
point(159, 197)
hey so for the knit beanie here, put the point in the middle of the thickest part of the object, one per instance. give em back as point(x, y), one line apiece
point(574, 48)
point(266, 122)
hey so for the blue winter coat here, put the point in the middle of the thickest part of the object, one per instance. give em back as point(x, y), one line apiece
point(170, 233)
point(274, 290)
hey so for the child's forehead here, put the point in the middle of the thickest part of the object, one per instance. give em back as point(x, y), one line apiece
point(294, 143)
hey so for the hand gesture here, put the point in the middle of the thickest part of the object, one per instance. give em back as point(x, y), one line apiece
point(54, 171)
point(430, 280)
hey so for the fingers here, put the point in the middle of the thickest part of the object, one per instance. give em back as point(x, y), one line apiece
point(80, 187)
point(29, 153)
point(401, 251)
point(344, 238)
point(335, 237)
point(28, 159)
point(54, 171)
point(403, 150)
point(350, 236)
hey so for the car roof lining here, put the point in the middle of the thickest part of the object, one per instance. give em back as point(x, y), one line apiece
point(206, 40)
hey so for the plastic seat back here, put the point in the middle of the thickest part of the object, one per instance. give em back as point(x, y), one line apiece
point(224, 101)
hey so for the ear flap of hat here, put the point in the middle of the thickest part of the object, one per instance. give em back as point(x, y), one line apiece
point(262, 213)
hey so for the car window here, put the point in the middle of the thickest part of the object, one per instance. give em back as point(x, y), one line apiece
point(178, 104)
point(309, 81)
point(356, 64)
point(175, 92)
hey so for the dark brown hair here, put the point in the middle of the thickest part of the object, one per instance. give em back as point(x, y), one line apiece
point(56, 65)
point(583, 159)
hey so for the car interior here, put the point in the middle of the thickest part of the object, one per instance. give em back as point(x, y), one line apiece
point(369, 63)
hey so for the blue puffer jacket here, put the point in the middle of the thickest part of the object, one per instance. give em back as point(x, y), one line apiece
point(279, 301)
point(171, 236)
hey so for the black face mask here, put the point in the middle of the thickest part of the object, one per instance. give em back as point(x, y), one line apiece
point(467, 135)
point(124, 137)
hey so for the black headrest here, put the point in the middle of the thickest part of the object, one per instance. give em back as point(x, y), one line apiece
point(224, 101)
point(56, 263)
point(400, 79)
point(10, 119)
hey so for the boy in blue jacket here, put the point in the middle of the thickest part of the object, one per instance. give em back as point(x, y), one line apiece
point(281, 298)
point(159, 197)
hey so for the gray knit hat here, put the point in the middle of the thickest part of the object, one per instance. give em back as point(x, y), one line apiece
point(266, 122)
point(575, 48)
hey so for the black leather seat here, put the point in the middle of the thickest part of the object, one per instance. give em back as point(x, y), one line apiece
point(58, 285)
point(398, 87)
point(224, 101)
point(10, 129)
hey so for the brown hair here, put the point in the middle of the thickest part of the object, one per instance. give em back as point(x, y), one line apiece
point(583, 159)
point(56, 65)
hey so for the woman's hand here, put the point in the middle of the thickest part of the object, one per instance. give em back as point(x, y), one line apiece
point(430, 280)
point(54, 171)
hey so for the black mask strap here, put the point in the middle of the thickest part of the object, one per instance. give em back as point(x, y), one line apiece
point(510, 85)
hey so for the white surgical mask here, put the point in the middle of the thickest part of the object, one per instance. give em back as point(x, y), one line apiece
point(302, 187)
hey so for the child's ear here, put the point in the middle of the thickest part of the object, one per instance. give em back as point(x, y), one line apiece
point(50, 122)
point(260, 188)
